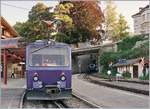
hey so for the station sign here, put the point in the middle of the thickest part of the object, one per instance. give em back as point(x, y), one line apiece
point(9, 43)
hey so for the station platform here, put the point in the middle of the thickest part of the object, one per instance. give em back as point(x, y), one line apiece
point(14, 83)
point(133, 86)
point(107, 97)
point(12, 92)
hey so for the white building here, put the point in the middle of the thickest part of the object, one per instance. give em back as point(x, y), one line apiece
point(134, 66)
point(141, 21)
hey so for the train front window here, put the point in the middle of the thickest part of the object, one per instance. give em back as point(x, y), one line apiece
point(49, 57)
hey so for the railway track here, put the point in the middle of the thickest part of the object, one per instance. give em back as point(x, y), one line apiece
point(60, 104)
point(74, 102)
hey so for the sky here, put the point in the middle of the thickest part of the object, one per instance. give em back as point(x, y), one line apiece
point(20, 9)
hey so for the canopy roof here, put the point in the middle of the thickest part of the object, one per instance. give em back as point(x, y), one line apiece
point(130, 62)
point(4, 24)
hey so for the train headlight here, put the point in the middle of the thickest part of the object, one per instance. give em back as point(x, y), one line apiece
point(35, 78)
point(63, 78)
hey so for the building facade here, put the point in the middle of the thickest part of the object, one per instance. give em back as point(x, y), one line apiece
point(11, 54)
point(141, 21)
point(136, 67)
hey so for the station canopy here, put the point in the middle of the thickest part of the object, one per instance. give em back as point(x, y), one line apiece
point(15, 48)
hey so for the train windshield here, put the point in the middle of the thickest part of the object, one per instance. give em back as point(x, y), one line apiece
point(49, 57)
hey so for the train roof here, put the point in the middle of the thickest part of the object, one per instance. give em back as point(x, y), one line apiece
point(46, 42)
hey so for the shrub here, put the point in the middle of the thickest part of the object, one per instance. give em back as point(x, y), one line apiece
point(114, 71)
point(144, 77)
point(126, 75)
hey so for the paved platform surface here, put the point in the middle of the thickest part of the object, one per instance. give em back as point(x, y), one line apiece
point(108, 97)
point(10, 98)
point(14, 83)
point(11, 93)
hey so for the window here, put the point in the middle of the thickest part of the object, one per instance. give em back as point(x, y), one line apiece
point(49, 57)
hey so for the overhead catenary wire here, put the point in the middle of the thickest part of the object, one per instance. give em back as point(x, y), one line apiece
point(14, 6)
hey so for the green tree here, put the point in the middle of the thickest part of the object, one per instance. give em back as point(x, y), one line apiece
point(121, 28)
point(62, 11)
point(66, 30)
point(21, 28)
point(110, 20)
point(34, 28)
point(116, 29)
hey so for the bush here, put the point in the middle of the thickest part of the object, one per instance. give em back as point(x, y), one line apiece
point(144, 77)
point(114, 72)
point(126, 75)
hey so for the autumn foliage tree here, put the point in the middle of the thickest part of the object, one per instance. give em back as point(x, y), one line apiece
point(87, 16)
point(83, 18)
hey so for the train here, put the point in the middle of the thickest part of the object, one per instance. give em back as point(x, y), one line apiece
point(48, 70)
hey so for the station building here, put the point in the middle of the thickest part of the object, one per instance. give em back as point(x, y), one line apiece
point(12, 54)
point(137, 67)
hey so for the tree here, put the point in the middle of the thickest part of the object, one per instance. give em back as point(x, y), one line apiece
point(69, 28)
point(66, 31)
point(34, 28)
point(87, 16)
point(116, 29)
point(80, 20)
point(110, 20)
point(122, 28)
point(62, 12)
point(21, 28)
